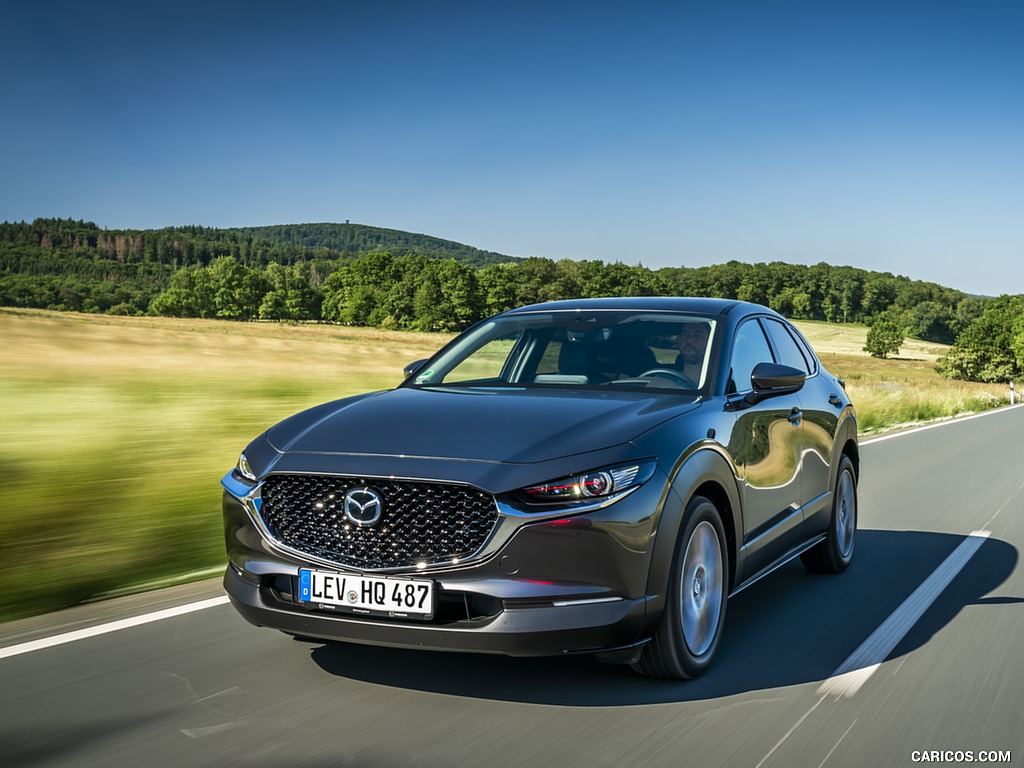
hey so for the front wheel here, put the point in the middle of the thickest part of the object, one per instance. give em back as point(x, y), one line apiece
point(691, 626)
point(835, 553)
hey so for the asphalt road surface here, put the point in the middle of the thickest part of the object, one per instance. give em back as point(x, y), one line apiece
point(916, 652)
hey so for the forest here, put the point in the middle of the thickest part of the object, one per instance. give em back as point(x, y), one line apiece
point(358, 275)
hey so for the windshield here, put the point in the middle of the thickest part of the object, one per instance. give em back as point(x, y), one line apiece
point(579, 349)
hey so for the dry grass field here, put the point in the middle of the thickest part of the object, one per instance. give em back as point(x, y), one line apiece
point(903, 390)
point(116, 431)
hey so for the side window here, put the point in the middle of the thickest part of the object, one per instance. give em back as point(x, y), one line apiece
point(812, 360)
point(548, 363)
point(789, 352)
point(749, 347)
point(484, 364)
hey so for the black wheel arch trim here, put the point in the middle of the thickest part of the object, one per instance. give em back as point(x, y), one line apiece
point(845, 442)
point(704, 471)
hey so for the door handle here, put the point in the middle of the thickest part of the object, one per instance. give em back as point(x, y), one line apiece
point(794, 416)
point(834, 399)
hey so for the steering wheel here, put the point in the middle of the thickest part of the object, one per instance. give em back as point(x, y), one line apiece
point(668, 373)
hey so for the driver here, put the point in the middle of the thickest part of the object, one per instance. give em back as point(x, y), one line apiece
point(693, 340)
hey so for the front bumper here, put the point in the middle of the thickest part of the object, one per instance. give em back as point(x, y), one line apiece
point(571, 585)
point(608, 628)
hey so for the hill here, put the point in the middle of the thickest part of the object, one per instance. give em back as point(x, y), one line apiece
point(23, 244)
point(358, 238)
point(358, 275)
point(75, 265)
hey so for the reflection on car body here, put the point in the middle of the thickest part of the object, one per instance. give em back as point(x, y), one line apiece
point(592, 476)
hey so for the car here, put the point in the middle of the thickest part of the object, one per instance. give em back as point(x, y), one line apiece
point(595, 476)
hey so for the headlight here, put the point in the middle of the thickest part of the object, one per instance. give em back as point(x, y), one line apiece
point(244, 469)
point(592, 485)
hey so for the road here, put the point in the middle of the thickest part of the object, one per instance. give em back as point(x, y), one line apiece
point(206, 689)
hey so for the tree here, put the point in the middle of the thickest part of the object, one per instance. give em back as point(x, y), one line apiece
point(190, 294)
point(448, 297)
point(932, 321)
point(411, 272)
point(237, 290)
point(879, 293)
point(303, 296)
point(290, 294)
point(989, 348)
point(498, 285)
point(356, 293)
point(597, 279)
point(1017, 341)
point(885, 337)
point(538, 280)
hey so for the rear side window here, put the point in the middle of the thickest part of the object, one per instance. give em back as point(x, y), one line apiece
point(789, 351)
point(801, 342)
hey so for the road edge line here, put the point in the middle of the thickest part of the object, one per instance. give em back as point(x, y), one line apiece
point(865, 661)
point(113, 626)
point(943, 423)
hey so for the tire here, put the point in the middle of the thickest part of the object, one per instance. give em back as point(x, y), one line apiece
point(690, 629)
point(834, 554)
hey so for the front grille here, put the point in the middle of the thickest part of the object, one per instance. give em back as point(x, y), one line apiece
point(428, 523)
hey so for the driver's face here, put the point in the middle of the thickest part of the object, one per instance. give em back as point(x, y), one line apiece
point(693, 340)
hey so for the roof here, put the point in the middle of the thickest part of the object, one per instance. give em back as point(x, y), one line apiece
point(704, 306)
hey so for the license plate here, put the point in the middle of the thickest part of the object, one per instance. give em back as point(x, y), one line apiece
point(368, 595)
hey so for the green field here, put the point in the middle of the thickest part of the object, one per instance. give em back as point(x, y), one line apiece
point(116, 431)
point(901, 391)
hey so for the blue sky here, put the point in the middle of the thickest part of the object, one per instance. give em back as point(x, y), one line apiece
point(887, 136)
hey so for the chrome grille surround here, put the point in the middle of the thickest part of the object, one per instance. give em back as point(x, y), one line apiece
point(423, 523)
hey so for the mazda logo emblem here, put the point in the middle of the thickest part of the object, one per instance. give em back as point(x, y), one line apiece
point(364, 506)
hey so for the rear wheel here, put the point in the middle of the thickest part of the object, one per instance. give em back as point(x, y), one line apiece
point(691, 626)
point(835, 553)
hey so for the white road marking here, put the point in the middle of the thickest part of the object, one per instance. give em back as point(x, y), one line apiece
point(946, 423)
point(789, 732)
point(864, 662)
point(1005, 504)
point(210, 730)
point(102, 629)
point(822, 763)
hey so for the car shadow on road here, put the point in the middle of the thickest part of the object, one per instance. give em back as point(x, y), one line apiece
point(790, 628)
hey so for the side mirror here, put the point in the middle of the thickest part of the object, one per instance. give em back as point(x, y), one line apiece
point(773, 379)
point(411, 368)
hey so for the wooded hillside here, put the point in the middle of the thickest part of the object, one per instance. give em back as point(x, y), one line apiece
point(359, 275)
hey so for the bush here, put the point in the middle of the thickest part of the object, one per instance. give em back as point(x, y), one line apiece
point(124, 308)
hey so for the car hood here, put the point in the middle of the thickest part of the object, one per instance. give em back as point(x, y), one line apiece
point(488, 425)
